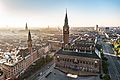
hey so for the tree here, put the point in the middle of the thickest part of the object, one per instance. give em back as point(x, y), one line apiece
point(106, 77)
point(104, 58)
point(105, 66)
point(102, 55)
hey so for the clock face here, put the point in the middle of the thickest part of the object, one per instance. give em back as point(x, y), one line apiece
point(65, 29)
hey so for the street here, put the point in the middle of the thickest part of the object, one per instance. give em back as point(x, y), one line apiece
point(42, 72)
point(114, 63)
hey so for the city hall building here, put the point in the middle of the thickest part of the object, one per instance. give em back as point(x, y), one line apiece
point(18, 61)
point(80, 56)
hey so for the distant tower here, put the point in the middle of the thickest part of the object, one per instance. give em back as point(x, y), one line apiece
point(29, 42)
point(96, 28)
point(26, 27)
point(66, 30)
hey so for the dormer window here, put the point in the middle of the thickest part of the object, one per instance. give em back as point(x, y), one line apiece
point(76, 50)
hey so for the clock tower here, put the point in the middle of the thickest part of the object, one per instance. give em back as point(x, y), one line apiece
point(66, 31)
point(29, 42)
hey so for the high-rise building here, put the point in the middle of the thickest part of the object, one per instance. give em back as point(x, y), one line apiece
point(66, 31)
point(96, 28)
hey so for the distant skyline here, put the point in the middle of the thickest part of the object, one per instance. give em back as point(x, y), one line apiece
point(41, 13)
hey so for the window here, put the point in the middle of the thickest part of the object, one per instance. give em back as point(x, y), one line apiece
point(83, 62)
point(64, 59)
point(95, 65)
point(86, 62)
point(92, 63)
point(80, 61)
point(70, 60)
point(67, 60)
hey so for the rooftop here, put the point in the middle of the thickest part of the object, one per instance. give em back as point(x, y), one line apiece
point(81, 54)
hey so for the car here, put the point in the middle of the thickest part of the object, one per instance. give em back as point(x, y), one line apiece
point(40, 73)
point(48, 67)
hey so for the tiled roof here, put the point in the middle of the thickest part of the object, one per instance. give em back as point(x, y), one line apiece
point(81, 54)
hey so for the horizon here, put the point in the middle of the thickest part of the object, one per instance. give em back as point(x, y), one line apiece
point(44, 13)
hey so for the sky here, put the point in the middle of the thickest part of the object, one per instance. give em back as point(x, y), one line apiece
point(44, 13)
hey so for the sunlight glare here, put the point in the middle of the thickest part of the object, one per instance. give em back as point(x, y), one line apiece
point(1, 8)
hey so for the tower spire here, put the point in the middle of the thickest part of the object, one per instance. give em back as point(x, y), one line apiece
point(66, 18)
point(26, 27)
point(66, 10)
point(29, 36)
point(29, 42)
point(66, 30)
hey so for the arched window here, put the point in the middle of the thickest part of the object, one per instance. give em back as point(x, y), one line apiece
point(83, 62)
point(95, 65)
point(68, 60)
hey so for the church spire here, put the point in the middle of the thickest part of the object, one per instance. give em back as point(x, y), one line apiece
point(26, 27)
point(66, 31)
point(29, 42)
point(66, 19)
point(29, 36)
